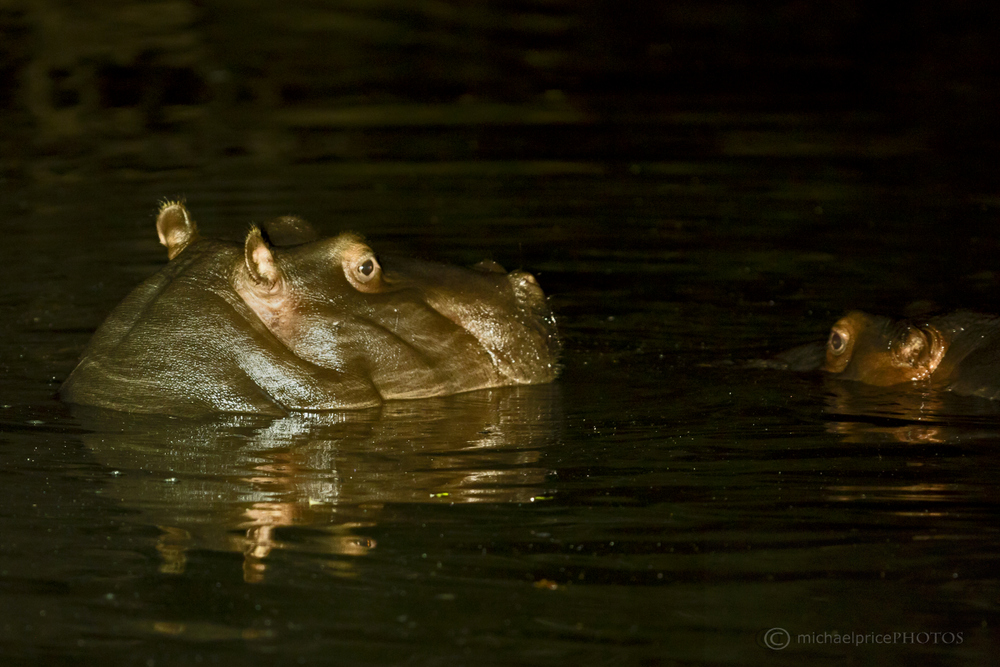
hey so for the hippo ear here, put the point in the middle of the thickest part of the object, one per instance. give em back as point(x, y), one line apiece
point(289, 230)
point(262, 266)
point(175, 227)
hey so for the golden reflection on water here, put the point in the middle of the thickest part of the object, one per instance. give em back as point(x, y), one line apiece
point(202, 631)
point(860, 432)
point(915, 414)
point(914, 401)
point(891, 492)
point(234, 484)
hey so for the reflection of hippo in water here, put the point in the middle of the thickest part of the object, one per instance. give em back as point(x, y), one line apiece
point(316, 483)
point(959, 352)
point(288, 322)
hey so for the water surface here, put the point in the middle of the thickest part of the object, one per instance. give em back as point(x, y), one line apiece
point(664, 502)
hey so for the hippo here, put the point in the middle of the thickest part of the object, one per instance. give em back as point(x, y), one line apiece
point(959, 352)
point(290, 322)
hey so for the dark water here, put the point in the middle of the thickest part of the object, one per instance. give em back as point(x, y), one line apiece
point(692, 200)
point(662, 502)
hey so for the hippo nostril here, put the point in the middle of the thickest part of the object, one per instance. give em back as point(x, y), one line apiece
point(522, 279)
point(527, 291)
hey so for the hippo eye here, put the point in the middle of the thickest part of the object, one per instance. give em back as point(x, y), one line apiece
point(360, 266)
point(837, 342)
point(367, 270)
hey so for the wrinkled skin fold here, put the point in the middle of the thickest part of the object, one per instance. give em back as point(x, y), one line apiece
point(291, 322)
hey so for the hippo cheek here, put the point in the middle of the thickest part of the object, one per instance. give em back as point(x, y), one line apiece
point(882, 374)
point(886, 369)
point(326, 343)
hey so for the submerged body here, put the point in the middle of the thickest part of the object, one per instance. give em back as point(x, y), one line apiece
point(959, 352)
point(310, 324)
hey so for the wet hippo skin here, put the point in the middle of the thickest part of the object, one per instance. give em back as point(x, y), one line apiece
point(959, 352)
point(290, 322)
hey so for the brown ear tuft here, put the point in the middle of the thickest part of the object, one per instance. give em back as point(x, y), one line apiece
point(175, 227)
point(260, 260)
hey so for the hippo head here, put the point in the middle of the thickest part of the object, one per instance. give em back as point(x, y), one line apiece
point(288, 321)
point(881, 352)
point(414, 328)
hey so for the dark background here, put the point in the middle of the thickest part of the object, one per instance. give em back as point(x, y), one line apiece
point(143, 87)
